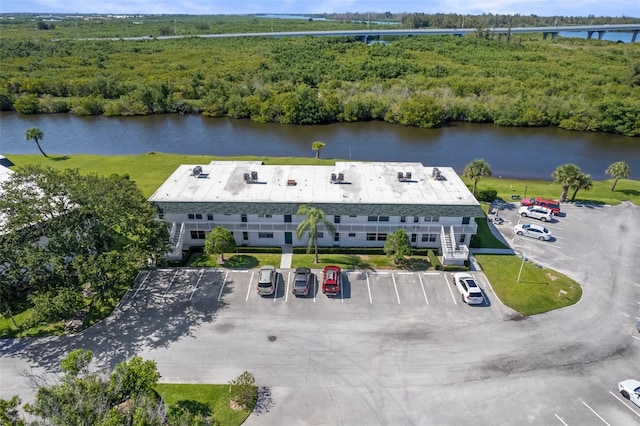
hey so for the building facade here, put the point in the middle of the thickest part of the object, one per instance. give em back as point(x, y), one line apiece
point(366, 201)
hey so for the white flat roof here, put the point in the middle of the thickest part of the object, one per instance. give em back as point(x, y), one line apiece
point(364, 182)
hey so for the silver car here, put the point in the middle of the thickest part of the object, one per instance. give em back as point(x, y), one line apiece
point(267, 280)
point(536, 212)
point(533, 231)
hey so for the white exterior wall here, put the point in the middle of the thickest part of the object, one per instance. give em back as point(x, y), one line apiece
point(353, 231)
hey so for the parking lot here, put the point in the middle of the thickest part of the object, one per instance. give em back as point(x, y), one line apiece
point(369, 292)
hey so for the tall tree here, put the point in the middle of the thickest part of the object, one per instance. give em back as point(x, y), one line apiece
point(582, 181)
point(475, 170)
point(398, 245)
point(566, 175)
point(219, 241)
point(314, 216)
point(35, 134)
point(100, 232)
point(317, 147)
point(619, 170)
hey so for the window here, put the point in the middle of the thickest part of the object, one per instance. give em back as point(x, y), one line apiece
point(287, 218)
point(416, 218)
point(382, 237)
point(243, 218)
point(466, 220)
point(430, 238)
point(383, 218)
point(265, 234)
point(209, 217)
point(197, 235)
point(268, 216)
point(403, 219)
point(336, 219)
point(160, 213)
point(245, 236)
point(372, 218)
point(336, 237)
point(431, 218)
point(414, 238)
point(191, 216)
point(463, 237)
point(352, 234)
point(371, 237)
point(320, 234)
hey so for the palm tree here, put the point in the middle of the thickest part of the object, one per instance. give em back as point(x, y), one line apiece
point(565, 175)
point(35, 135)
point(317, 146)
point(619, 170)
point(314, 216)
point(475, 170)
point(583, 181)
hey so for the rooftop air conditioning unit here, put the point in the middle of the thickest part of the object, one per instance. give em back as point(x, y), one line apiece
point(341, 177)
point(407, 175)
point(254, 176)
point(197, 170)
point(247, 177)
point(400, 176)
point(333, 177)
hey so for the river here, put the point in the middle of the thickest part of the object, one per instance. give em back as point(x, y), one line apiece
point(528, 153)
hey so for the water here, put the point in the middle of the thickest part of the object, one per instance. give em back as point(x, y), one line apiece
point(530, 153)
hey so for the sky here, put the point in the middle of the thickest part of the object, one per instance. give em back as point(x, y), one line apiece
point(613, 8)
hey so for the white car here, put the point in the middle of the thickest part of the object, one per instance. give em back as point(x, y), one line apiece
point(630, 389)
point(533, 231)
point(536, 212)
point(468, 288)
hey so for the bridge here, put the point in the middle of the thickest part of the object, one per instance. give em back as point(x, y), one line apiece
point(600, 30)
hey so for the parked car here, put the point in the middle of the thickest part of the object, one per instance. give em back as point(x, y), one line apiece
point(302, 282)
point(267, 280)
point(535, 212)
point(468, 288)
point(533, 231)
point(630, 389)
point(331, 280)
point(552, 205)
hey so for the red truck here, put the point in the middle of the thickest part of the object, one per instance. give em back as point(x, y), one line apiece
point(331, 280)
point(552, 205)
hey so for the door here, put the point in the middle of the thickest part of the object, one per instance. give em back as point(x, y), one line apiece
point(288, 238)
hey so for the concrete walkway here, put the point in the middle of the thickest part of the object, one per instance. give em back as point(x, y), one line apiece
point(287, 255)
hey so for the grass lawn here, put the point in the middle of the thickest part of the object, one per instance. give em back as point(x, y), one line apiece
point(206, 400)
point(626, 190)
point(539, 290)
point(359, 261)
point(237, 261)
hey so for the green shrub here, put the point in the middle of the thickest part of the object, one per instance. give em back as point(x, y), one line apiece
point(487, 195)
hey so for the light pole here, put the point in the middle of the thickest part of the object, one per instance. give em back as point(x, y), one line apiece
point(525, 192)
point(524, 257)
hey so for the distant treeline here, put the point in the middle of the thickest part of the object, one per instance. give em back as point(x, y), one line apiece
point(576, 84)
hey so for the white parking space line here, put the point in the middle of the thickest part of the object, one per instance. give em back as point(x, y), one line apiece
point(195, 287)
point(450, 291)
point(379, 273)
point(249, 289)
point(286, 292)
point(563, 422)
point(341, 286)
point(597, 415)
point(275, 292)
point(223, 283)
point(396, 287)
point(315, 288)
point(635, 337)
point(170, 284)
point(141, 285)
point(423, 292)
point(369, 288)
point(405, 273)
point(431, 273)
point(624, 403)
